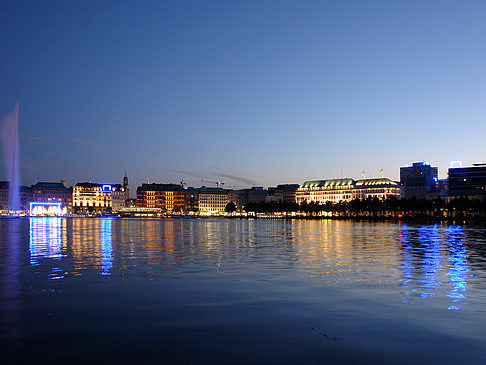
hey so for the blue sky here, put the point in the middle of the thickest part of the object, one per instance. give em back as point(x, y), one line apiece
point(249, 92)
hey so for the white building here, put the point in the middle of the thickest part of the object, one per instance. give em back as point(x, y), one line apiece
point(337, 190)
point(98, 198)
point(212, 201)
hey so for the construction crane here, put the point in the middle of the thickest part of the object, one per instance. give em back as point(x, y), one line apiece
point(218, 183)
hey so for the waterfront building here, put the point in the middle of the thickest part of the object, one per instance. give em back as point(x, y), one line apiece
point(381, 188)
point(192, 199)
point(346, 189)
point(4, 196)
point(118, 198)
point(468, 181)
point(92, 198)
point(212, 201)
point(244, 196)
point(420, 180)
point(168, 197)
point(322, 191)
point(282, 193)
point(50, 198)
point(24, 192)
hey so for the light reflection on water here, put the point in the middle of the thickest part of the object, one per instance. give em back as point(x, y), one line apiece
point(443, 259)
point(330, 252)
point(45, 239)
point(340, 276)
point(458, 268)
point(106, 248)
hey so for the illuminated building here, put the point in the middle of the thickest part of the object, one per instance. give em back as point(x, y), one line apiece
point(419, 180)
point(91, 198)
point(119, 198)
point(212, 201)
point(168, 197)
point(336, 190)
point(468, 181)
point(50, 198)
point(381, 188)
point(321, 191)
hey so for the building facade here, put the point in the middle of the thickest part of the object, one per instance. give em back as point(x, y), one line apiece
point(46, 195)
point(212, 201)
point(381, 188)
point(168, 197)
point(245, 196)
point(342, 190)
point(468, 181)
point(92, 198)
point(282, 193)
point(118, 198)
point(322, 191)
point(419, 180)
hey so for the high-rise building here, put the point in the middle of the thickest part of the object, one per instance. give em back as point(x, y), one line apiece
point(419, 180)
point(468, 181)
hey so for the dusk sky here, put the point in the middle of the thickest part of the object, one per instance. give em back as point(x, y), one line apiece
point(248, 92)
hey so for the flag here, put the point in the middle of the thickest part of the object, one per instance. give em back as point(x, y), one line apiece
point(363, 173)
point(381, 172)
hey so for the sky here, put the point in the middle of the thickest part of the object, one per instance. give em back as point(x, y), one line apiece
point(251, 93)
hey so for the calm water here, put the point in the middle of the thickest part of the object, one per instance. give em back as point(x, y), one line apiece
point(241, 291)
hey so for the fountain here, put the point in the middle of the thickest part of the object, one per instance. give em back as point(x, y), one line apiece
point(10, 142)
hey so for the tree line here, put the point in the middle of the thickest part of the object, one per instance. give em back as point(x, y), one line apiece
point(375, 207)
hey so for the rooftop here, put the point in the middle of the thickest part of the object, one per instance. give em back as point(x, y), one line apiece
point(328, 183)
point(375, 182)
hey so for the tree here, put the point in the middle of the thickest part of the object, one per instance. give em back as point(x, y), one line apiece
point(230, 207)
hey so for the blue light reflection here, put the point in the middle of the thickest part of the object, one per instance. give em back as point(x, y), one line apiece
point(458, 269)
point(106, 246)
point(431, 262)
point(407, 260)
point(45, 239)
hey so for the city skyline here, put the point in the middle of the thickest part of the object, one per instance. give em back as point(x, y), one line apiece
point(247, 93)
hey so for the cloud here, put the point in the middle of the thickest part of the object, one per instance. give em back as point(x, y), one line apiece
point(36, 140)
point(188, 173)
point(218, 168)
point(93, 146)
point(236, 178)
point(90, 145)
point(29, 167)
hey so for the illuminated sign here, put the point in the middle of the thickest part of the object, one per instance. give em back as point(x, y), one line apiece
point(106, 187)
point(456, 164)
point(45, 208)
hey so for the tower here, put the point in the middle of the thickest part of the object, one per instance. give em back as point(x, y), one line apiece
point(125, 185)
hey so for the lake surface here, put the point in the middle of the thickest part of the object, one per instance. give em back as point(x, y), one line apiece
point(222, 291)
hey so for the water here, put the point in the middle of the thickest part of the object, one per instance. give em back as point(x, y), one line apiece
point(10, 143)
point(196, 291)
